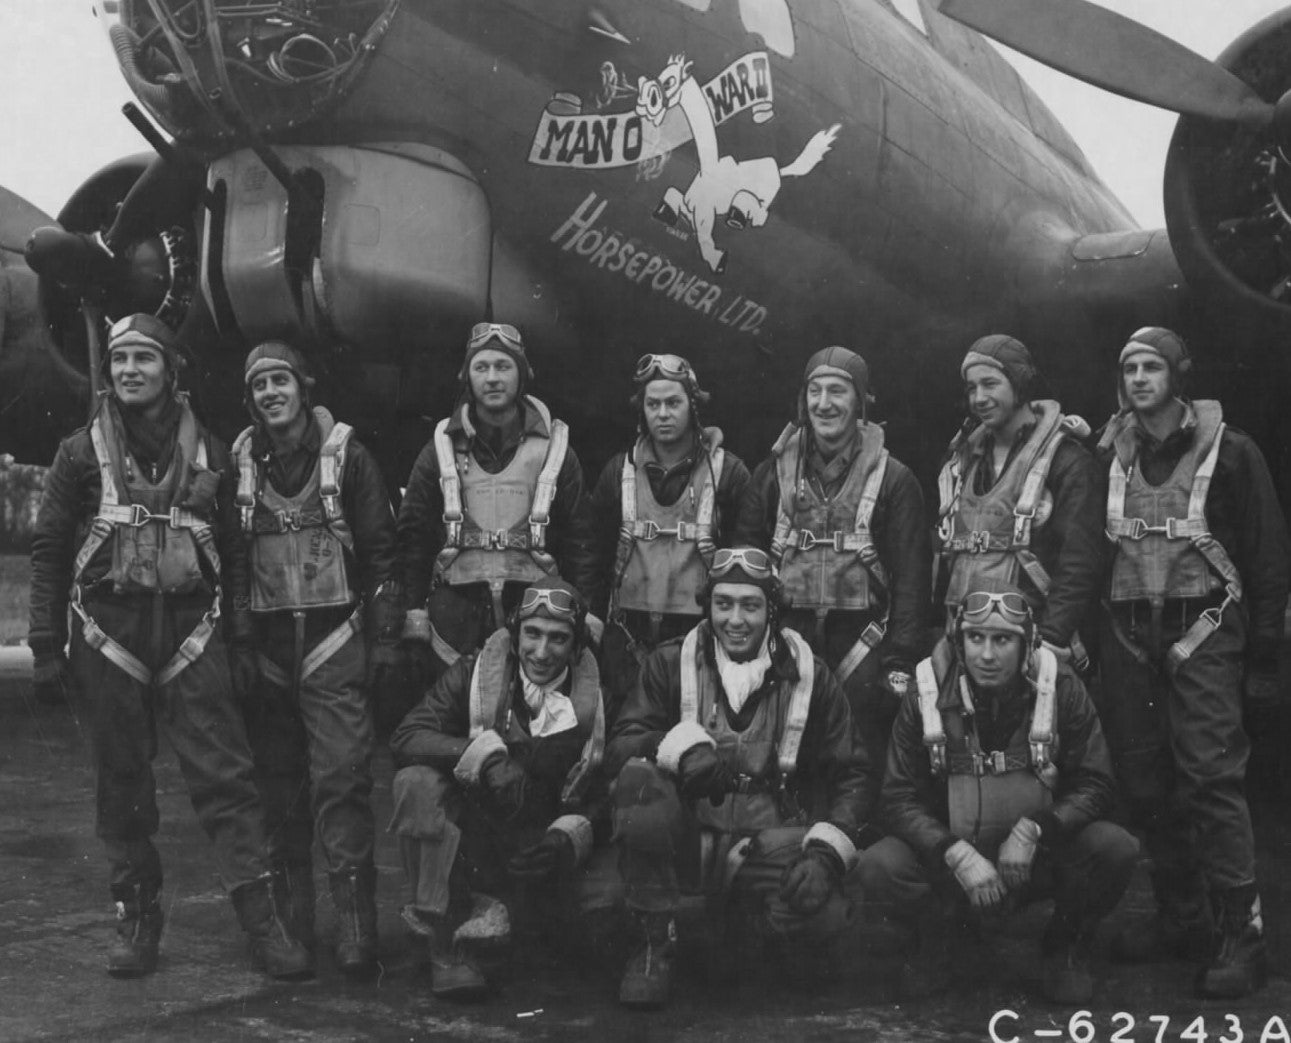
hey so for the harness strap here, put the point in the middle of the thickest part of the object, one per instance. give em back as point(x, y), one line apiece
point(450, 485)
point(627, 525)
point(189, 651)
point(631, 529)
point(690, 676)
point(870, 639)
point(1033, 488)
point(934, 733)
point(589, 760)
point(795, 723)
point(245, 497)
point(331, 462)
point(442, 648)
point(1193, 528)
point(112, 512)
point(545, 491)
point(1044, 713)
point(332, 643)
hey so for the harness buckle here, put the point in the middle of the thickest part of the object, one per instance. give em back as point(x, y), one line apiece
point(1022, 527)
point(997, 764)
point(331, 505)
point(649, 530)
point(808, 540)
point(1172, 529)
point(139, 516)
point(979, 541)
point(1138, 528)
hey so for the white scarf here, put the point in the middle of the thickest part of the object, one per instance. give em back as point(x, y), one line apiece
point(553, 712)
point(740, 680)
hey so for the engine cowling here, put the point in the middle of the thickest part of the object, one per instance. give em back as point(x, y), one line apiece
point(1228, 185)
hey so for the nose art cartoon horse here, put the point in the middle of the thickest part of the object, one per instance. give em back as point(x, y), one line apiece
point(741, 191)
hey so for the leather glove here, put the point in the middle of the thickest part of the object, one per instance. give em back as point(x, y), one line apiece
point(244, 670)
point(1018, 852)
point(975, 875)
point(701, 773)
point(504, 780)
point(810, 879)
point(203, 486)
point(898, 681)
point(50, 678)
point(554, 853)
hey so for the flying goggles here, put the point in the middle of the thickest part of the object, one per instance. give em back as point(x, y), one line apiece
point(756, 563)
point(483, 332)
point(980, 605)
point(665, 367)
point(560, 603)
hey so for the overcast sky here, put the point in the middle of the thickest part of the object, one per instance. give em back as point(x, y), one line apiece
point(61, 97)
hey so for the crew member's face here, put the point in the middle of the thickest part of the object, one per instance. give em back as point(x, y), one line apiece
point(277, 398)
point(545, 647)
point(139, 376)
point(667, 411)
point(833, 408)
point(1147, 382)
point(738, 613)
point(990, 396)
point(993, 657)
point(495, 380)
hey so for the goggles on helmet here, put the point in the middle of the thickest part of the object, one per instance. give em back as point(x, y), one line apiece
point(979, 605)
point(483, 332)
point(755, 562)
point(561, 603)
point(664, 367)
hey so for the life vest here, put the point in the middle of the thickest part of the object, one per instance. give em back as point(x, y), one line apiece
point(1163, 545)
point(491, 680)
point(988, 791)
point(987, 537)
point(496, 524)
point(298, 543)
point(763, 757)
point(158, 547)
point(824, 547)
point(664, 553)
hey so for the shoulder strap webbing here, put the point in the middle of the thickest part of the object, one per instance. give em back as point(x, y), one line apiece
point(449, 483)
point(690, 676)
point(247, 479)
point(934, 734)
point(1043, 715)
point(795, 723)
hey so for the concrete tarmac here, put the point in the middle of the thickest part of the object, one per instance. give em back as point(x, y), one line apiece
point(56, 920)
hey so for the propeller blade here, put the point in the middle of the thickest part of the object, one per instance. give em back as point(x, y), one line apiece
point(1115, 53)
point(17, 220)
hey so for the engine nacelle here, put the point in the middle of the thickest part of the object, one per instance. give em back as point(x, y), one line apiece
point(1228, 185)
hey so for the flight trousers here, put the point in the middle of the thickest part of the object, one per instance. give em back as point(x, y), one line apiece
point(313, 757)
point(1177, 742)
point(665, 852)
point(120, 716)
point(1085, 874)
